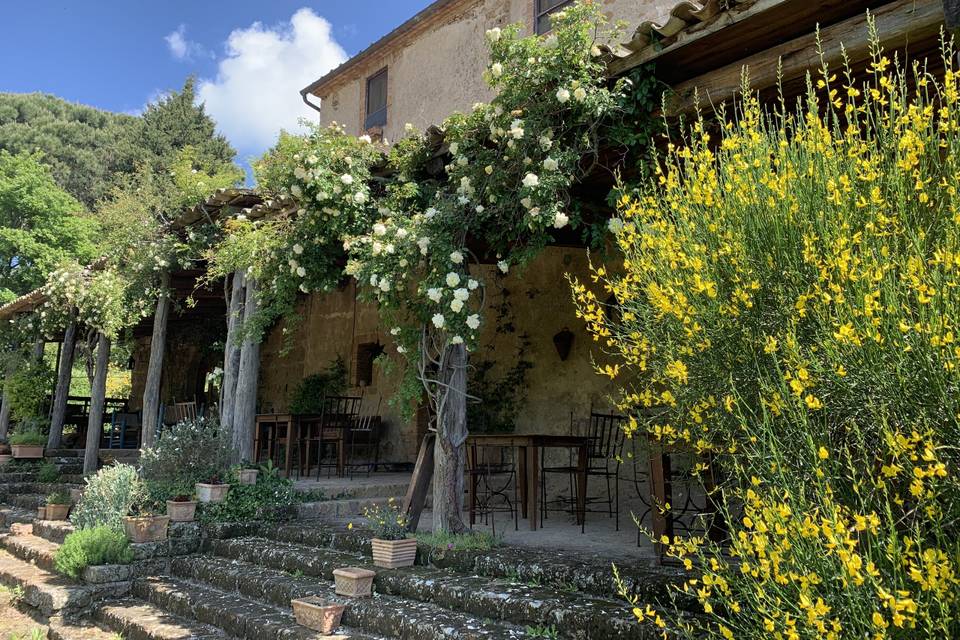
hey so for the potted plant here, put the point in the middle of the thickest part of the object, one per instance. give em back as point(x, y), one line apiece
point(58, 505)
point(391, 546)
point(213, 490)
point(28, 444)
point(42, 512)
point(318, 614)
point(247, 474)
point(181, 508)
point(143, 525)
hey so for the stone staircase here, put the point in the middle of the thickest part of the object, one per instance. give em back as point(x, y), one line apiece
point(345, 501)
point(236, 582)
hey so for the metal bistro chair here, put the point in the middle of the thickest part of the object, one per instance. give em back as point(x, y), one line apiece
point(365, 432)
point(491, 477)
point(607, 437)
point(336, 418)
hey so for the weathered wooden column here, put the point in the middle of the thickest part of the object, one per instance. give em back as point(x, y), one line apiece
point(5, 409)
point(231, 351)
point(158, 344)
point(245, 398)
point(62, 392)
point(98, 392)
point(450, 449)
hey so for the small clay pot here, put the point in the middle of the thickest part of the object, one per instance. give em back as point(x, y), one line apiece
point(211, 492)
point(181, 511)
point(146, 528)
point(318, 614)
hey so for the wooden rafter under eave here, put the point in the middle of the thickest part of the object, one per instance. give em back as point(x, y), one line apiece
point(914, 25)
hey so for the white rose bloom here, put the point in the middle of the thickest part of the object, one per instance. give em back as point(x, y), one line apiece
point(551, 42)
point(488, 169)
point(454, 147)
point(384, 285)
point(435, 294)
point(360, 197)
point(456, 340)
point(365, 139)
point(496, 69)
point(580, 93)
point(408, 128)
point(438, 320)
point(298, 249)
point(453, 279)
point(456, 305)
point(595, 51)
point(526, 202)
point(473, 321)
point(346, 178)
point(462, 161)
point(301, 272)
point(550, 164)
point(296, 191)
point(456, 257)
point(377, 248)
point(395, 331)
point(562, 95)
point(293, 264)
point(401, 349)
point(472, 284)
point(615, 225)
point(300, 173)
point(494, 34)
point(379, 229)
point(461, 294)
point(478, 208)
point(423, 243)
point(531, 180)
point(304, 288)
point(560, 220)
point(503, 266)
point(516, 129)
point(545, 143)
point(390, 248)
point(463, 200)
point(373, 280)
point(401, 233)
point(429, 213)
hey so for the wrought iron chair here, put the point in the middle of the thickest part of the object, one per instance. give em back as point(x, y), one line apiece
point(492, 472)
point(337, 416)
point(607, 437)
point(365, 433)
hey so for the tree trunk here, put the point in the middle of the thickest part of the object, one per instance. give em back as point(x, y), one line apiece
point(231, 352)
point(450, 449)
point(64, 374)
point(158, 344)
point(5, 412)
point(97, 395)
point(245, 398)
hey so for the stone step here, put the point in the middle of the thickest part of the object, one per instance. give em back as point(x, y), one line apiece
point(42, 488)
point(27, 500)
point(342, 508)
point(236, 615)
point(382, 615)
point(10, 515)
point(353, 490)
point(558, 569)
point(577, 615)
point(52, 530)
point(31, 476)
point(135, 619)
point(60, 628)
point(52, 593)
point(31, 548)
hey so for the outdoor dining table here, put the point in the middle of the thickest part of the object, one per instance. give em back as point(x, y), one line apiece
point(529, 448)
point(269, 426)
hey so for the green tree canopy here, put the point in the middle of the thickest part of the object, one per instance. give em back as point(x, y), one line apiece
point(41, 225)
point(78, 142)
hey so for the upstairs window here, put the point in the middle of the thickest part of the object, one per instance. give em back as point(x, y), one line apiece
point(542, 11)
point(376, 111)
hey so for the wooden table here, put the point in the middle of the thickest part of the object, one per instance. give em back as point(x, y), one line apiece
point(268, 425)
point(528, 448)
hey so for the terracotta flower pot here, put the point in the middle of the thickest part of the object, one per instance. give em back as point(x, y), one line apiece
point(41, 513)
point(211, 492)
point(248, 476)
point(147, 528)
point(57, 511)
point(318, 614)
point(181, 511)
point(353, 582)
point(27, 451)
point(393, 554)
point(5, 458)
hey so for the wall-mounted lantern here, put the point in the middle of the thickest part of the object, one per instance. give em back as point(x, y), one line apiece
point(563, 341)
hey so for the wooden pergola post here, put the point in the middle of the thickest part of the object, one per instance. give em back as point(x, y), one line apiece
point(98, 392)
point(62, 391)
point(158, 344)
point(245, 398)
point(231, 352)
point(5, 410)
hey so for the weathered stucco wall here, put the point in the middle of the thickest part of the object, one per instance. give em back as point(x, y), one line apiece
point(438, 71)
point(333, 324)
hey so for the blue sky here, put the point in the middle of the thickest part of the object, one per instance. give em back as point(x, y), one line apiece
point(250, 56)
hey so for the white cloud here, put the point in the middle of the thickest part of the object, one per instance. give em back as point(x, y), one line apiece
point(181, 48)
point(256, 91)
